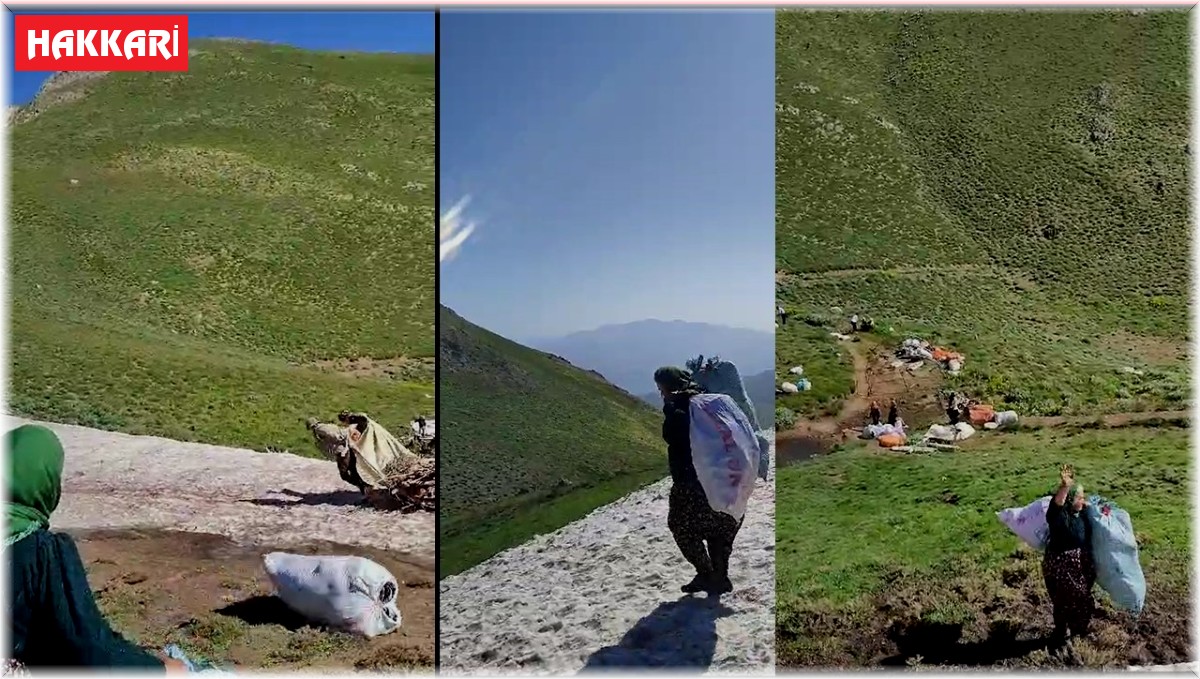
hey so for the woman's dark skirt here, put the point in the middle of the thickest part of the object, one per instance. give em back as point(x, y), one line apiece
point(1069, 577)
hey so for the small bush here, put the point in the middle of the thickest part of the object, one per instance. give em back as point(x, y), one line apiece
point(784, 418)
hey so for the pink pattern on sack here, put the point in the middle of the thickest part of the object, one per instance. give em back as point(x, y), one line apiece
point(736, 473)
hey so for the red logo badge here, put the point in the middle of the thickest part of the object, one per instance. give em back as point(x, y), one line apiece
point(100, 42)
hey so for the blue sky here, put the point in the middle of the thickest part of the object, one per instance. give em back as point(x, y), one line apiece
point(621, 166)
point(410, 32)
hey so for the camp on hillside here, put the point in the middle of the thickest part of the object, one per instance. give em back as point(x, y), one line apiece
point(1001, 198)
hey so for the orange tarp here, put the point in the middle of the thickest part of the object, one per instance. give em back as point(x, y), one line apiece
point(942, 354)
point(891, 440)
point(981, 414)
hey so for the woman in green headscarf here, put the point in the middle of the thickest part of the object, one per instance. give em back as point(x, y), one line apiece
point(54, 619)
point(704, 535)
point(1067, 566)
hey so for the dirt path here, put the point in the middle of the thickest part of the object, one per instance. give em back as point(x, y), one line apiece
point(604, 592)
point(1109, 420)
point(172, 534)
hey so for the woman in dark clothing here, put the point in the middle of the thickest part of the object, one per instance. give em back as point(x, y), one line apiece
point(1067, 566)
point(893, 413)
point(690, 519)
point(54, 619)
point(875, 413)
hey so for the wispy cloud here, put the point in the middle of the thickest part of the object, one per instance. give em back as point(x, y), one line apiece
point(453, 231)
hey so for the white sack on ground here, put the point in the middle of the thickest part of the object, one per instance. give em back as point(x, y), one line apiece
point(349, 593)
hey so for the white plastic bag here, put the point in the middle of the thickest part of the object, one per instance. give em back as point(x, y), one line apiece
point(1115, 553)
point(941, 432)
point(345, 592)
point(725, 452)
point(1005, 418)
point(874, 431)
point(1029, 522)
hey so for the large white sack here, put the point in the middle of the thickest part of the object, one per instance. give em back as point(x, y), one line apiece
point(725, 452)
point(941, 432)
point(874, 431)
point(345, 592)
point(1115, 553)
point(1029, 522)
point(1005, 418)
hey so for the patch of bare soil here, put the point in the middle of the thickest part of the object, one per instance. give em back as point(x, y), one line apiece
point(985, 621)
point(399, 368)
point(1146, 349)
point(211, 595)
point(915, 392)
point(1171, 418)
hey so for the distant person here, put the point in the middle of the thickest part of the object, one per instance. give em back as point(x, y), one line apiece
point(1067, 566)
point(54, 619)
point(854, 323)
point(893, 413)
point(782, 315)
point(953, 408)
point(876, 416)
point(690, 519)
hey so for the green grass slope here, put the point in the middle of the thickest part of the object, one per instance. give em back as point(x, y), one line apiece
point(909, 546)
point(1013, 183)
point(529, 443)
point(214, 255)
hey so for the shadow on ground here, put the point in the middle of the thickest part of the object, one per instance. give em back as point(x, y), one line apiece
point(678, 634)
point(265, 610)
point(337, 498)
point(941, 644)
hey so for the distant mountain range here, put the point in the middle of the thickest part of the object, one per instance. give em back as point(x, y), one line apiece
point(628, 354)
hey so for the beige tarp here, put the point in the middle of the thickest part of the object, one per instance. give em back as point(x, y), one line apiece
point(376, 451)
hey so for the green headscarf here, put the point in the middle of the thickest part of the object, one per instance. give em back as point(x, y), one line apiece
point(35, 466)
point(674, 379)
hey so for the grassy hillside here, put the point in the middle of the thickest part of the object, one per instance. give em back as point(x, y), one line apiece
point(914, 562)
point(214, 255)
point(1014, 183)
point(529, 443)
